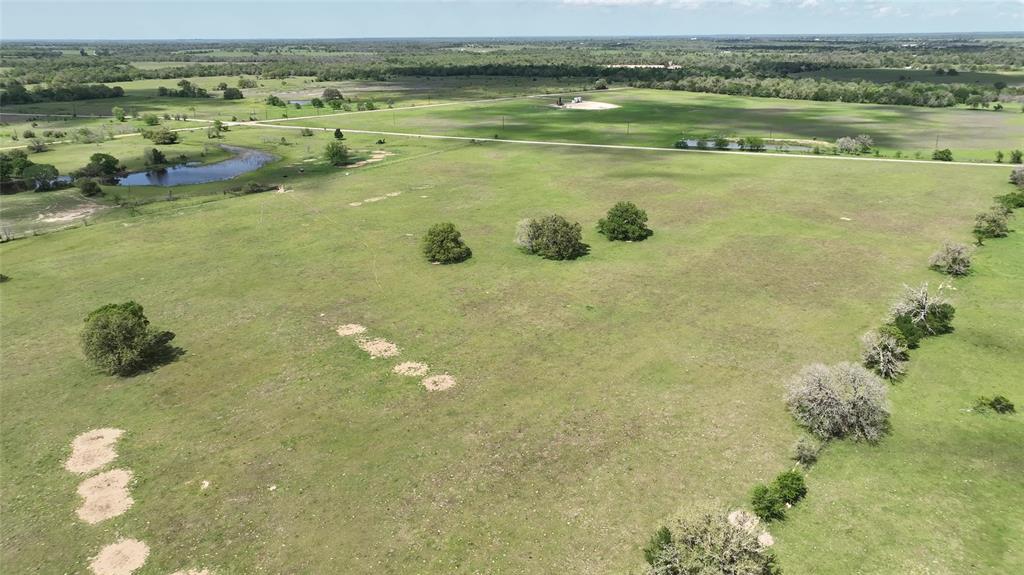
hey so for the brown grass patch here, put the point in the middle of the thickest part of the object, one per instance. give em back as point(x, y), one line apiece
point(121, 558)
point(378, 347)
point(193, 572)
point(439, 382)
point(105, 495)
point(411, 369)
point(92, 450)
point(350, 329)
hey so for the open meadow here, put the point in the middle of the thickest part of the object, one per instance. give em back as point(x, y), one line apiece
point(652, 371)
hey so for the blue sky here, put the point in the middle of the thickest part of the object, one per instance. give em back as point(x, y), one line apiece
point(194, 19)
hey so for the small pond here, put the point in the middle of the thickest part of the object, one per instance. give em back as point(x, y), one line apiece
point(246, 160)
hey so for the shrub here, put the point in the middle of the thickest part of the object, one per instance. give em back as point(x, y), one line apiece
point(306, 132)
point(756, 144)
point(932, 314)
point(844, 400)
point(806, 450)
point(554, 238)
point(721, 143)
point(161, 136)
point(706, 543)
point(338, 135)
point(154, 157)
point(1016, 156)
point(36, 146)
point(945, 155)
point(884, 352)
point(767, 503)
point(847, 145)
point(88, 187)
point(626, 222)
point(952, 258)
point(336, 153)
point(150, 119)
point(998, 404)
point(232, 94)
point(443, 244)
point(682, 144)
point(118, 339)
point(991, 224)
point(1013, 200)
point(790, 486)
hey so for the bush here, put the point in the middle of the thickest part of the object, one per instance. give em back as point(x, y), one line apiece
point(88, 187)
point(806, 450)
point(945, 155)
point(885, 352)
point(150, 119)
point(118, 339)
point(998, 404)
point(625, 222)
point(932, 314)
point(844, 400)
point(721, 143)
point(1012, 201)
point(991, 224)
point(754, 144)
point(232, 94)
point(706, 543)
point(161, 136)
point(154, 157)
point(767, 503)
point(790, 486)
point(952, 258)
point(336, 153)
point(443, 244)
point(306, 132)
point(554, 238)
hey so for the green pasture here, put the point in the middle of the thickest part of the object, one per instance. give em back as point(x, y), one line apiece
point(141, 95)
point(659, 118)
point(595, 398)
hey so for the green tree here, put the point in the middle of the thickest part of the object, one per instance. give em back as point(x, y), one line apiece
point(625, 222)
point(338, 135)
point(119, 340)
point(443, 244)
point(316, 103)
point(232, 94)
point(336, 153)
point(118, 113)
point(150, 119)
point(88, 187)
point(555, 238)
point(42, 176)
point(154, 157)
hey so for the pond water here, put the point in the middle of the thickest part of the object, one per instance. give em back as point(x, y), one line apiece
point(246, 160)
point(301, 102)
point(710, 145)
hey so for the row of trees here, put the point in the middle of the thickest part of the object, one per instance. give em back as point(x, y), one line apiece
point(16, 93)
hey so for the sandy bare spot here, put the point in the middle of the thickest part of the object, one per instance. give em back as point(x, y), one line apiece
point(105, 495)
point(766, 539)
point(411, 369)
point(393, 194)
point(586, 105)
point(745, 519)
point(69, 215)
point(121, 558)
point(374, 199)
point(193, 572)
point(204, 485)
point(92, 450)
point(439, 382)
point(375, 156)
point(355, 204)
point(378, 347)
point(350, 329)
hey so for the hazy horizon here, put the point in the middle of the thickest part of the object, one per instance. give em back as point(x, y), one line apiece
point(466, 19)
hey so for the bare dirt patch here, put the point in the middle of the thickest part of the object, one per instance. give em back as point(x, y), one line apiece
point(350, 329)
point(439, 382)
point(193, 572)
point(70, 215)
point(585, 105)
point(375, 156)
point(411, 369)
point(379, 347)
point(105, 495)
point(92, 450)
point(121, 558)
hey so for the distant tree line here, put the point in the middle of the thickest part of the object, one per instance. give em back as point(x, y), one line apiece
point(16, 93)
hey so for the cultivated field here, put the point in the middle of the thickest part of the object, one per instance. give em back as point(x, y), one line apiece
point(594, 398)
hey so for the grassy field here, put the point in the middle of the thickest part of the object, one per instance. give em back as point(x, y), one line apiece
point(936, 496)
point(141, 95)
point(659, 118)
point(886, 75)
point(595, 397)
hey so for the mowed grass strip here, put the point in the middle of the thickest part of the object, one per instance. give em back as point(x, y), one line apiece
point(595, 397)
